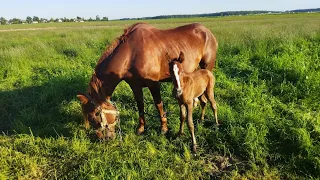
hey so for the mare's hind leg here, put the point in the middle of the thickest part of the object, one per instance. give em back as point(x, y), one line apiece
point(138, 96)
point(208, 62)
point(209, 58)
point(155, 91)
point(203, 103)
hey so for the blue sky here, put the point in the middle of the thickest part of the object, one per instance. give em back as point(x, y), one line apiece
point(139, 8)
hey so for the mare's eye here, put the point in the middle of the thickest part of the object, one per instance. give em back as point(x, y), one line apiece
point(98, 113)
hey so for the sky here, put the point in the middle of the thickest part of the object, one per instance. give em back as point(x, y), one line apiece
point(117, 9)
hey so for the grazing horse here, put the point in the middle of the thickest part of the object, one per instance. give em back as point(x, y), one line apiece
point(187, 87)
point(139, 57)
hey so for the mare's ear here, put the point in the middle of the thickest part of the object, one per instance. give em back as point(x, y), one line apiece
point(83, 98)
point(181, 57)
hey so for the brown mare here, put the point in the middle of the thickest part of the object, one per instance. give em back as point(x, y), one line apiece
point(139, 57)
point(187, 87)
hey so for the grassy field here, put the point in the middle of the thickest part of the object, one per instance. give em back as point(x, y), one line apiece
point(267, 90)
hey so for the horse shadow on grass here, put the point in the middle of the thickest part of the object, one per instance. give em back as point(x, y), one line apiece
point(45, 111)
point(52, 109)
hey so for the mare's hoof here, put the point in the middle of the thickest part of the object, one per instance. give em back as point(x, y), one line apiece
point(164, 130)
point(140, 130)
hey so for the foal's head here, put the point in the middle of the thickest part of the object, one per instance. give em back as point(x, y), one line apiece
point(102, 115)
point(175, 68)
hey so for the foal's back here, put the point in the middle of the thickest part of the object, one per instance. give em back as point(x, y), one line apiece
point(199, 81)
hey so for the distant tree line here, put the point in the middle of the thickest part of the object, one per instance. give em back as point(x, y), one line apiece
point(305, 10)
point(226, 13)
point(36, 19)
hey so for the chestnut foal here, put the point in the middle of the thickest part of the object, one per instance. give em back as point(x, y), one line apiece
point(188, 87)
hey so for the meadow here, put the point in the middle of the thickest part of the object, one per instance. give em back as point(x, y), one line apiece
point(267, 90)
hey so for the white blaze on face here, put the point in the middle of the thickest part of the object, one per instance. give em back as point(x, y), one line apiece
point(176, 75)
point(104, 121)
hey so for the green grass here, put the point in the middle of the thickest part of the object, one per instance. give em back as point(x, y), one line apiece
point(267, 90)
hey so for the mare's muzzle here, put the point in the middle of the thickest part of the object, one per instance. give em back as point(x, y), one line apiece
point(107, 129)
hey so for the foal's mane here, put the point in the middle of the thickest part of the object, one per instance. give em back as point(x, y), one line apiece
point(118, 41)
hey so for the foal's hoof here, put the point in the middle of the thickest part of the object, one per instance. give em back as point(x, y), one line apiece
point(218, 123)
point(180, 133)
point(194, 148)
point(216, 128)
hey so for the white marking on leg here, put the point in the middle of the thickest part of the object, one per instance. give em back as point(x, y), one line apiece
point(176, 75)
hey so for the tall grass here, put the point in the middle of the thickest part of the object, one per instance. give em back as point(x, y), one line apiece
point(267, 90)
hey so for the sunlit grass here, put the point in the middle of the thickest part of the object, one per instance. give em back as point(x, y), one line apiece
point(267, 90)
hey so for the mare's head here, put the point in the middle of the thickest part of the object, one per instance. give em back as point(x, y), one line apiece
point(101, 114)
point(175, 68)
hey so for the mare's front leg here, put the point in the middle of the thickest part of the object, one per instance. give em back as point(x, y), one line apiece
point(138, 96)
point(191, 126)
point(155, 91)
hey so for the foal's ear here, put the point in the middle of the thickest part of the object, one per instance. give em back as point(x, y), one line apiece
point(181, 57)
point(83, 98)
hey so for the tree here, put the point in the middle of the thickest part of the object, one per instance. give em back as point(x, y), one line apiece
point(97, 18)
point(35, 18)
point(43, 20)
point(15, 21)
point(105, 19)
point(29, 20)
point(3, 21)
point(79, 18)
point(66, 19)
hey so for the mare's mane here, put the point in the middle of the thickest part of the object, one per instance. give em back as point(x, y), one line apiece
point(94, 88)
point(117, 42)
point(95, 85)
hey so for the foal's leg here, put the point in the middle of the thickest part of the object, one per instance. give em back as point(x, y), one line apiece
point(210, 96)
point(182, 118)
point(203, 103)
point(155, 91)
point(138, 96)
point(195, 102)
point(191, 126)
